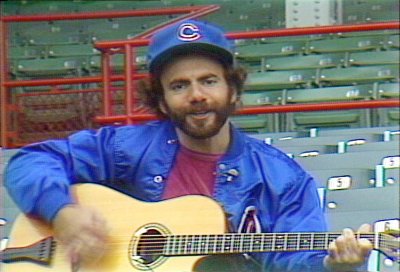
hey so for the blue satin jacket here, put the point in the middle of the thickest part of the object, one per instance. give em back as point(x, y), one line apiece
point(137, 160)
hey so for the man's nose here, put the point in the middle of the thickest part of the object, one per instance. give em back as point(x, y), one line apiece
point(197, 93)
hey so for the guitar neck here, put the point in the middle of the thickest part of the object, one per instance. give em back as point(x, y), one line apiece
point(177, 245)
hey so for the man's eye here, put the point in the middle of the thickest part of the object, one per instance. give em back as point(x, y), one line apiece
point(210, 81)
point(178, 86)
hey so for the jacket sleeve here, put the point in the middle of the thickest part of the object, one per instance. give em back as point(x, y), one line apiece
point(39, 176)
point(299, 211)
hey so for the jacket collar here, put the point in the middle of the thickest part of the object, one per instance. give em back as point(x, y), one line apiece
point(235, 148)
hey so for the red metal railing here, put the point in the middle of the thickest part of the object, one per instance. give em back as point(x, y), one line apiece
point(7, 107)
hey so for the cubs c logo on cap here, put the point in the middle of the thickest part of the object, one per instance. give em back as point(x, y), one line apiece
point(188, 32)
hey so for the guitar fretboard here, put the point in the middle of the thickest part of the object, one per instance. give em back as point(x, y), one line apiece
point(175, 245)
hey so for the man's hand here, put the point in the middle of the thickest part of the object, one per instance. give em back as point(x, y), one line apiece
point(347, 253)
point(82, 231)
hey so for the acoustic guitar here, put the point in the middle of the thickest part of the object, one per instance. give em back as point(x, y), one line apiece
point(172, 235)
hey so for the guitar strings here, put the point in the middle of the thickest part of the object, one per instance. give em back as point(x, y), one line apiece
point(157, 244)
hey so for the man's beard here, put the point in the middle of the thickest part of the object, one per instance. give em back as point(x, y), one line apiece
point(206, 130)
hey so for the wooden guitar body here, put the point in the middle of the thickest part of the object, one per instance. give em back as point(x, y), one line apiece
point(126, 217)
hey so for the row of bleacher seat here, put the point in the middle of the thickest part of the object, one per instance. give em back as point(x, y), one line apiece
point(352, 160)
point(305, 120)
point(315, 56)
point(271, 47)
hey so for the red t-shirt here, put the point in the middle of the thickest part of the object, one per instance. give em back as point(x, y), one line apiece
point(192, 174)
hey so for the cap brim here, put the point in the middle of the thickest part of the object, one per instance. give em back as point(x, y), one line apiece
point(188, 49)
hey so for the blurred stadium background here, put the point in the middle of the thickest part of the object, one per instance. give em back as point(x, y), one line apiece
point(52, 85)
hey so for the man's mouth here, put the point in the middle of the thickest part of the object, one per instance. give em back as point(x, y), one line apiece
point(200, 114)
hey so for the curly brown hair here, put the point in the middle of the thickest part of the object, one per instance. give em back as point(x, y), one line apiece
point(151, 93)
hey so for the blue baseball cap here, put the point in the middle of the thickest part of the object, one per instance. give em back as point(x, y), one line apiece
point(190, 36)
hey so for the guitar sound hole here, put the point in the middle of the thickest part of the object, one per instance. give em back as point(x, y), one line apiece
point(151, 246)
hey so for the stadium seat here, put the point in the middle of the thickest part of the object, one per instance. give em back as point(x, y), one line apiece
point(389, 90)
point(350, 44)
point(279, 79)
point(76, 50)
point(26, 52)
point(271, 138)
point(369, 11)
point(344, 178)
point(358, 75)
point(260, 123)
point(341, 93)
point(112, 30)
point(359, 132)
point(54, 38)
point(118, 61)
point(257, 98)
point(393, 42)
point(388, 116)
point(305, 142)
point(311, 150)
point(314, 61)
point(377, 146)
point(306, 120)
point(351, 208)
point(366, 159)
point(49, 67)
point(8, 212)
point(255, 52)
point(374, 58)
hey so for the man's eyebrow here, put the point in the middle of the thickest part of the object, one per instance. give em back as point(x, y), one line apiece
point(183, 80)
point(206, 76)
point(178, 80)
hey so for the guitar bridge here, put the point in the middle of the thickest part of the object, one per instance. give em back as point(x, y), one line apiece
point(40, 252)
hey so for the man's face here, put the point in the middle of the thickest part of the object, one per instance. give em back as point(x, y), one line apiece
point(197, 97)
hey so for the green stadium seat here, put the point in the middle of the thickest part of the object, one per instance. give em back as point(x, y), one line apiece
point(363, 43)
point(258, 98)
point(339, 93)
point(389, 90)
point(374, 58)
point(314, 61)
point(355, 11)
point(48, 67)
point(26, 52)
point(53, 35)
point(76, 50)
point(393, 41)
point(118, 62)
point(260, 123)
point(326, 120)
point(255, 52)
point(279, 79)
point(358, 75)
point(306, 120)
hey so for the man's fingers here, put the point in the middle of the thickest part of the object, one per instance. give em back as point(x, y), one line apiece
point(365, 228)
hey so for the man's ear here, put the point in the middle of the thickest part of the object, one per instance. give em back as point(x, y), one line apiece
point(161, 105)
